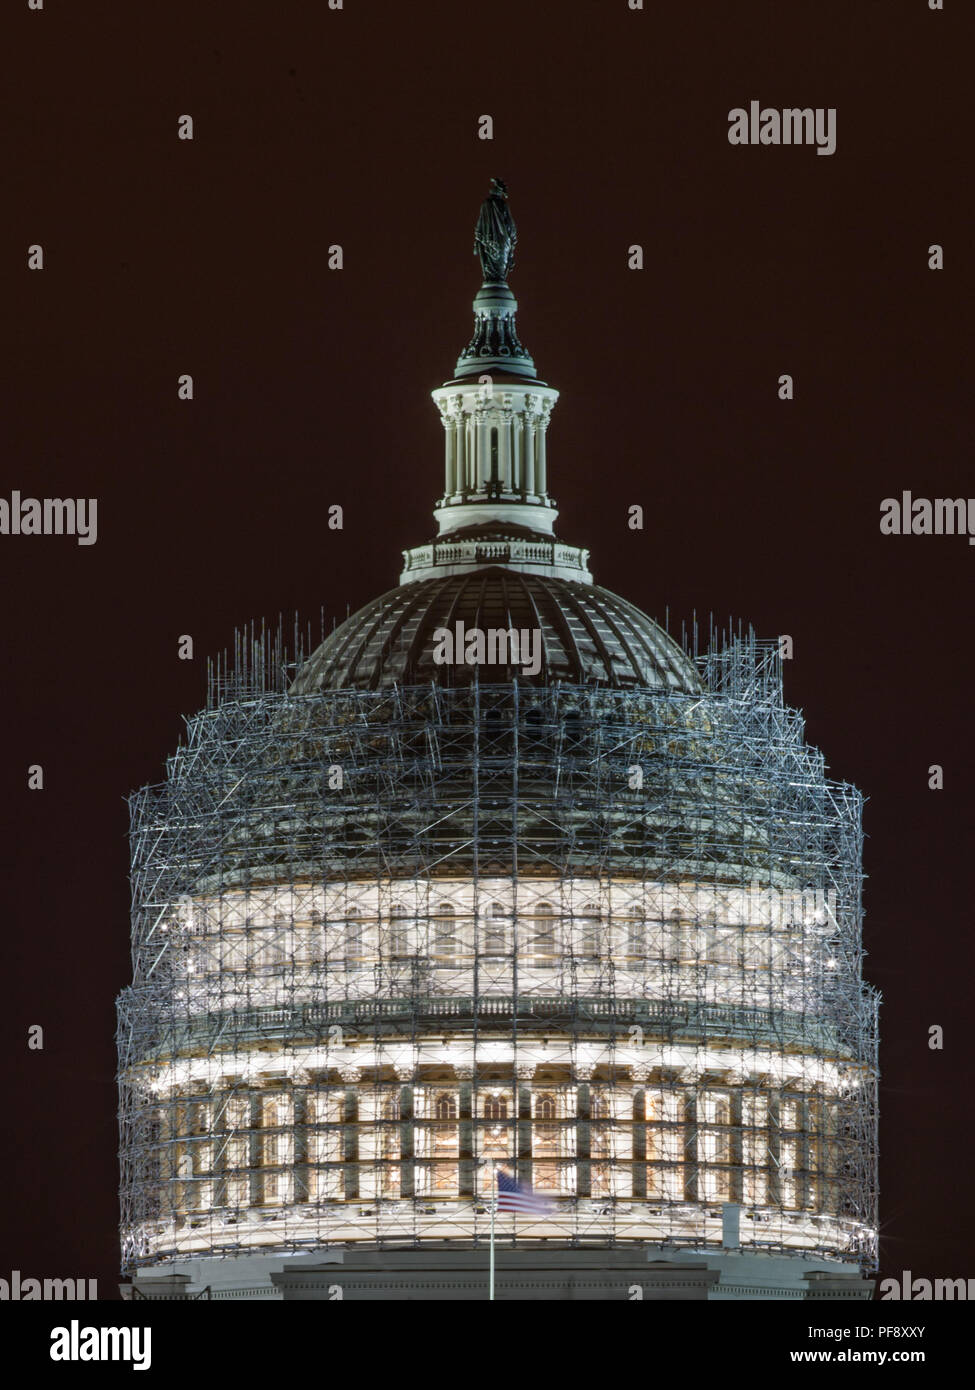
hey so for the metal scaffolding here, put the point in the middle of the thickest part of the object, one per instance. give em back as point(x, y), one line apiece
point(607, 939)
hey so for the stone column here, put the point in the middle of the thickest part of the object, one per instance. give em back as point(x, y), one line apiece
point(735, 1149)
point(470, 453)
point(460, 425)
point(528, 445)
point(254, 1154)
point(524, 1071)
point(450, 446)
point(505, 470)
point(517, 454)
point(301, 1080)
point(460, 447)
point(691, 1163)
point(221, 1124)
point(465, 1131)
point(804, 1185)
point(774, 1150)
point(583, 1130)
point(638, 1162)
point(541, 478)
point(814, 1150)
point(350, 1154)
point(482, 449)
point(407, 1132)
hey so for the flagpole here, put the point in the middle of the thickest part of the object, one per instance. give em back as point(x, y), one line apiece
point(494, 1204)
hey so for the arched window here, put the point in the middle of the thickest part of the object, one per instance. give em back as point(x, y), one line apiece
point(445, 945)
point(496, 1108)
point(545, 1142)
point(714, 1146)
point(267, 948)
point(602, 1141)
point(542, 945)
point(399, 933)
point(495, 931)
point(316, 944)
point(589, 931)
point(545, 1108)
point(353, 933)
point(445, 1107)
point(442, 1145)
point(636, 937)
point(269, 945)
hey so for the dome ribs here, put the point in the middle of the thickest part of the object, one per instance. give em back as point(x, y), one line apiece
point(588, 636)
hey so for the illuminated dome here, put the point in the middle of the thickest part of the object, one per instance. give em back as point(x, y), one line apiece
point(497, 878)
point(587, 634)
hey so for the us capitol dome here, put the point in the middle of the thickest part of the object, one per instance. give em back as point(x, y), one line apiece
point(497, 877)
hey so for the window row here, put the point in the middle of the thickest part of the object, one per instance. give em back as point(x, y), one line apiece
point(498, 1102)
point(542, 939)
point(254, 1149)
point(786, 1185)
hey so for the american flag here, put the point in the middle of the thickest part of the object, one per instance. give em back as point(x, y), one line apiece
point(515, 1196)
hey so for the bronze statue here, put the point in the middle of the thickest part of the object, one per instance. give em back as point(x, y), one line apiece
point(495, 235)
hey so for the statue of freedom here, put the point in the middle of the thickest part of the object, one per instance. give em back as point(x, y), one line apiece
point(495, 235)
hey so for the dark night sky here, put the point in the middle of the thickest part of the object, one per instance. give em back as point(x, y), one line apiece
point(359, 127)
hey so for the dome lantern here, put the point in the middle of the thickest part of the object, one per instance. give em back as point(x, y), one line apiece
point(495, 415)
